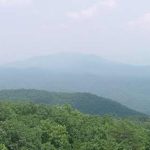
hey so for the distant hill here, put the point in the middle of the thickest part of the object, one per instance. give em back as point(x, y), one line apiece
point(126, 84)
point(85, 102)
point(80, 64)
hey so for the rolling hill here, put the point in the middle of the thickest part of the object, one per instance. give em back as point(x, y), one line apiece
point(126, 84)
point(85, 102)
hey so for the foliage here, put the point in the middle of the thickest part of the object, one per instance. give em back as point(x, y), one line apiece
point(2, 147)
point(29, 126)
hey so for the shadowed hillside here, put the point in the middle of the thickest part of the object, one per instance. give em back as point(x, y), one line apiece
point(85, 102)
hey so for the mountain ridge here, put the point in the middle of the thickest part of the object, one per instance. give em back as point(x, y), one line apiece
point(85, 102)
point(84, 63)
point(127, 84)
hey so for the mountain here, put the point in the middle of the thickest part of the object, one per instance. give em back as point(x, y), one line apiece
point(85, 102)
point(127, 84)
point(80, 64)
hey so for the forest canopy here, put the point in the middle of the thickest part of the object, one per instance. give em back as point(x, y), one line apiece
point(29, 126)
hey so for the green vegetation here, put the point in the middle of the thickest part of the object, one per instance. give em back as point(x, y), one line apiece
point(84, 102)
point(28, 126)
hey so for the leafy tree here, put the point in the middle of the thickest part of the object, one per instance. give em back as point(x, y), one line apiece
point(29, 126)
point(3, 147)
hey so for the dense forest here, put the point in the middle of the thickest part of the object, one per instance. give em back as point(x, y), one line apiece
point(84, 102)
point(29, 126)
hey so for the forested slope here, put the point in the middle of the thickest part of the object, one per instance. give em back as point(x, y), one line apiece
point(85, 102)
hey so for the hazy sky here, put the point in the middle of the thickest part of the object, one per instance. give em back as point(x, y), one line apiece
point(114, 29)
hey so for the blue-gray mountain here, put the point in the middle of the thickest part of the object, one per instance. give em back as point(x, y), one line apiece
point(127, 84)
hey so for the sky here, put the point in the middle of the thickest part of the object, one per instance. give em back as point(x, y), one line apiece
point(118, 30)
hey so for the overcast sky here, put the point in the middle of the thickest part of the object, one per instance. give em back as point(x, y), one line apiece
point(114, 29)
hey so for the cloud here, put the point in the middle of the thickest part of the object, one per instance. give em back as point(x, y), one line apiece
point(85, 13)
point(142, 22)
point(109, 3)
point(8, 3)
point(93, 9)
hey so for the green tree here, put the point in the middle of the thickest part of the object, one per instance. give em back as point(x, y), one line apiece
point(3, 147)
